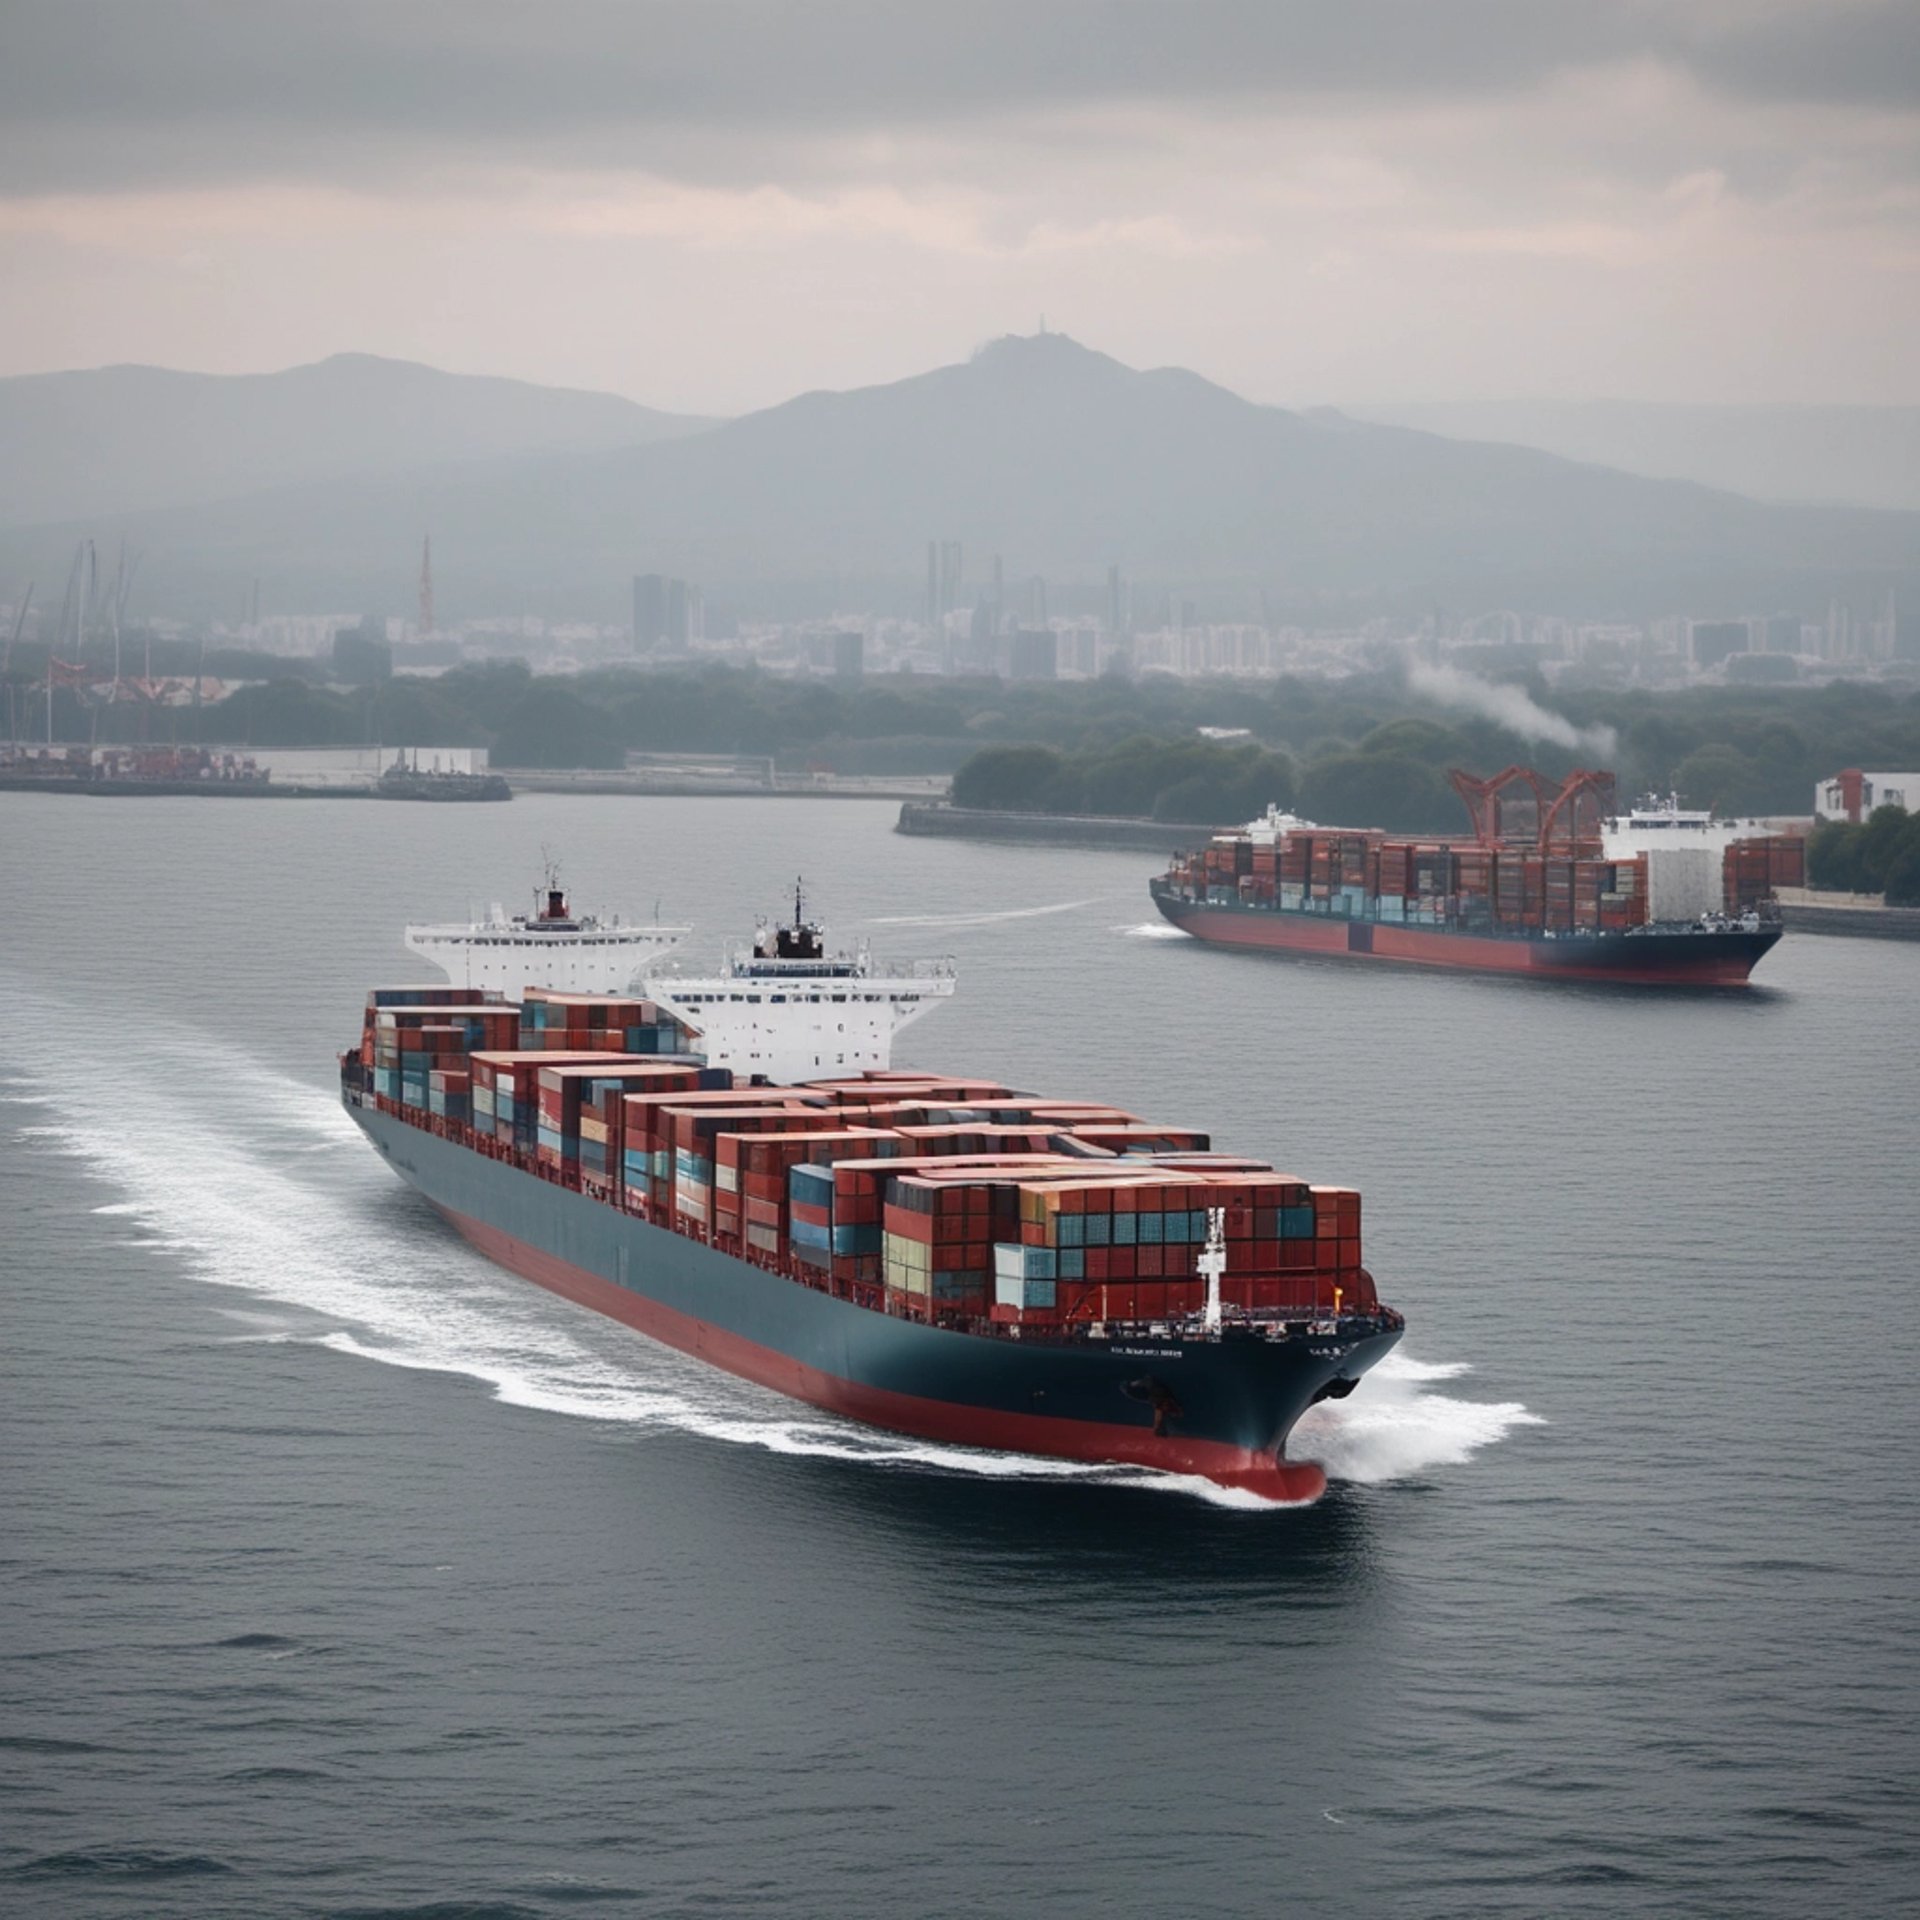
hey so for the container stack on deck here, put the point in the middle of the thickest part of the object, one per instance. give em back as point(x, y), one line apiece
point(1756, 870)
point(418, 1040)
point(577, 1102)
point(1122, 1245)
point(580, 1022)
point(1439, 883)
point(952, 1201)
point(1431, 883)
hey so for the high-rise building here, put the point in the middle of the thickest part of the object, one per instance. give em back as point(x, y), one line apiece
point(1885, 643)
point(1033, 654)
point(1839, 640)
point(363, 655)
point(1116, 602)
point(933, 583)
point(649, 611)
point(1036, 602)
point(665, 612)
point(1710, 642)
point(1906, 635)
point(849, 655)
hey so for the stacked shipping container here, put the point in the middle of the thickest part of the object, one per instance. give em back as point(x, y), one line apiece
point(1124, 1245)
point(1756, 870)
point(575, 1022)
point(1437, 883)
point(417, 1050)
point(947, 1200)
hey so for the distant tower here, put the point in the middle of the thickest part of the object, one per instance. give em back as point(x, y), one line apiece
point(426, 586)
point(649, 611)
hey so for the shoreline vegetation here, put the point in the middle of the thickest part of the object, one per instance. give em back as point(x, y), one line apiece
point(1365, 750)
point(1880, 855)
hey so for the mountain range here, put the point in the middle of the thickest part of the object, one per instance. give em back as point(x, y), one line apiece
point(1052, 455)
point(119, 440)
point(1846, 456)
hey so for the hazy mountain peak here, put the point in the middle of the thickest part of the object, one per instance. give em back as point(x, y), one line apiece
point(1057, 458)
point(117, 440)
point(1054, 352)
point(385, 365)
point(1862, 455)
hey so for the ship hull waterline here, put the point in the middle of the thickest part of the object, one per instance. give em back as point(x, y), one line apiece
point(1720, 959)
point(1226, 1406)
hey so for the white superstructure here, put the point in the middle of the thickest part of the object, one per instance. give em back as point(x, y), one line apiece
point(1659, 824)
point(785, 1009)
point(551, 947)
point(1275, 824)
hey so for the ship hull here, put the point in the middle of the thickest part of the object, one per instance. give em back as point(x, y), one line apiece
point(1718, 959)
point(1225, 1406)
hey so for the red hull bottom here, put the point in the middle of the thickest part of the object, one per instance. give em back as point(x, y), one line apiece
point(1278, 932)
point(1286, 1482)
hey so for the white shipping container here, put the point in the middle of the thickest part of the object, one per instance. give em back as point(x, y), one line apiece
point(1683, 883)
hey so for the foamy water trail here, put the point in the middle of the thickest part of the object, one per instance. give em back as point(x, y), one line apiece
point(1154, 930)
point(1398, 1427)
point(985, 919)
point(262, 1184)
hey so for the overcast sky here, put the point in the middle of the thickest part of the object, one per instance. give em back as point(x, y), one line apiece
point(711, 206)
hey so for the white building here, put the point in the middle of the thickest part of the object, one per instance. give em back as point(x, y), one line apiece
point(1852, 795)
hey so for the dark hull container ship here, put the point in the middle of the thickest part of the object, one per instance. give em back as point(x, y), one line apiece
point(1549, 884)
point(932, 1255)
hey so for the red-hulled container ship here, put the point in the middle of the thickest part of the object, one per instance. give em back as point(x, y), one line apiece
point(933, 1254)
point(1548, 883)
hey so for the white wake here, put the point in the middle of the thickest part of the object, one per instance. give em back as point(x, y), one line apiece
point(263, 1185)
point(1397, 1427)
point(985, 919)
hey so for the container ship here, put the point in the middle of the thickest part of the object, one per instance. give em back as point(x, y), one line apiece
point(1551, 883)
point(732, 1166)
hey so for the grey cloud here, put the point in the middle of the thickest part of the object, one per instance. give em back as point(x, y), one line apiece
point(1864, 55)
point(97, 93)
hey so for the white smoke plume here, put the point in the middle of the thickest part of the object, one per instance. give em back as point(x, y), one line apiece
point(1512, 708)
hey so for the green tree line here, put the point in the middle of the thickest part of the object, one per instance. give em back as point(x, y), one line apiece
point(1394, 774)
point(1363, 750)
point(1879, 855)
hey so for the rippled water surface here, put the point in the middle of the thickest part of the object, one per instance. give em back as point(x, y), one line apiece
point(342, 1574)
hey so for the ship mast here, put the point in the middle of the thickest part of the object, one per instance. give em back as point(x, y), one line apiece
point(1212, 1264)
